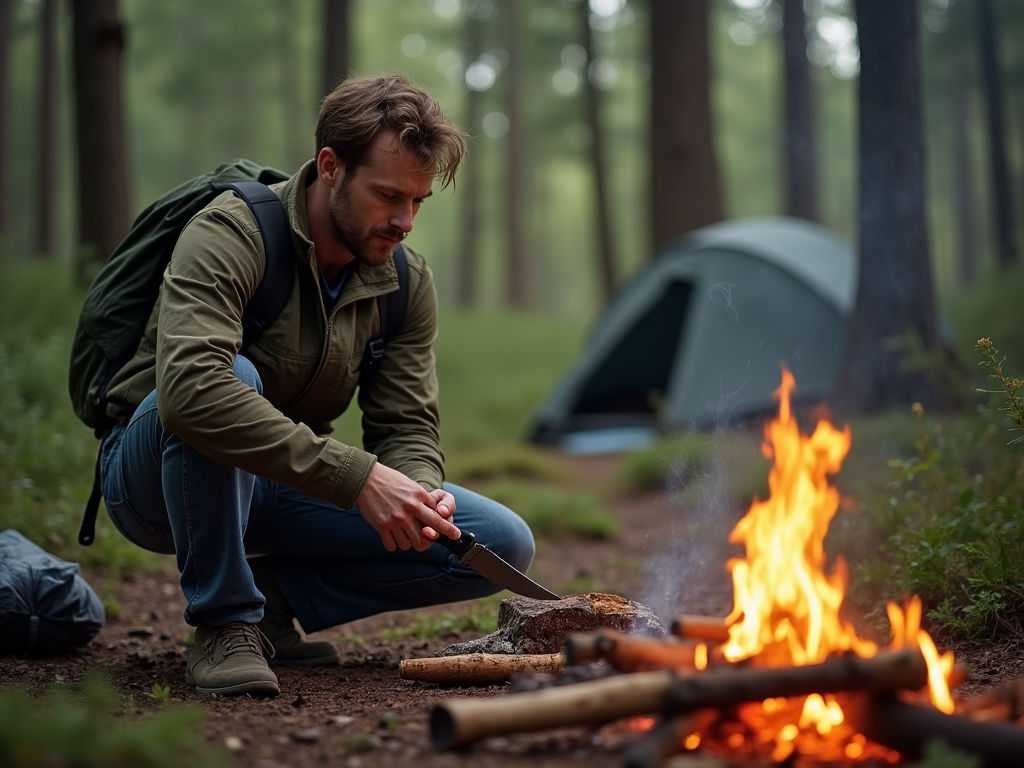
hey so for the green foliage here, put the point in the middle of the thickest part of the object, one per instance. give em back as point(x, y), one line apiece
point(493, 368)
point(1014, 406)
point(481, 616)
point(937, 754)
point(46, 454)
point(949, 527)
point(160, 693)
point(505, 460)
point(553, 512)
point(94, 728)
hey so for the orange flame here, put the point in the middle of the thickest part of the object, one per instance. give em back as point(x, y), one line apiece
point(786, 607)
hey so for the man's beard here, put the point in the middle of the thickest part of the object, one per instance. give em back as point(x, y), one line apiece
point(349, 230)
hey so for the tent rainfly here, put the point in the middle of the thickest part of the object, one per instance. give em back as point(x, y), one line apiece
point(698, 337)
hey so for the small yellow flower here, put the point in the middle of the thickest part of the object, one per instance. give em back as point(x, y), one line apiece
point(984, 343)
point(917, 409)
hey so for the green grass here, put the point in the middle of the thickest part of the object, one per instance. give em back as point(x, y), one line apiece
point(91, 726)
point(554, 512)
point(46, 455)
point(480, 616)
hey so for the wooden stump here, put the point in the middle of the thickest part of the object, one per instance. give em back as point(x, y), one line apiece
point(533, 626)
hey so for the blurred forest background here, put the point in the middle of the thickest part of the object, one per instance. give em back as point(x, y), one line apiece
point(205, 82)
point(600, 131)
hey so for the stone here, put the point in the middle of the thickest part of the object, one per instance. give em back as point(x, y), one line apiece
point(526, 625)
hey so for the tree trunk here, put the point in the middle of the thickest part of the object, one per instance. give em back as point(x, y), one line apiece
point(468, 255)
point(296, 146)
point(6, 43)
point(895, 311)
point(801, 162)
point(685, 188)
point(1002, 191)
point(966, 231)
point(591, 100)
point(99, 38)
point(336, 43)
point(45, 176)
point(515, 266)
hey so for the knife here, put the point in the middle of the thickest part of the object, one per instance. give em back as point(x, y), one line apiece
point(491, 567)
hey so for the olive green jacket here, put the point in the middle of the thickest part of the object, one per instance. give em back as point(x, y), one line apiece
point(308, 361)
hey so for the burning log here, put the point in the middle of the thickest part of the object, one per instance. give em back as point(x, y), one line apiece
point(458, 722)
point(632, 654)
point(663, 740)
point(887, 671)
point(708, 628)
point(477, 668)
point(908, 728)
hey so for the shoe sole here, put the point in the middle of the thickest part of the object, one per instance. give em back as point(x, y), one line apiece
point(258, 687)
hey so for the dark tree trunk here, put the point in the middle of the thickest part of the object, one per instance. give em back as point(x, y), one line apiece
point(468, 255)
point(297, 148)
point(6, 40)
point(801, 162)
point(591, 100)
point(45, 176)
point(336, 43)
point(102, 154)
point(515, 267)
point(685, 188)
point(1002, 191)
point(966, 231)
point(894, 321)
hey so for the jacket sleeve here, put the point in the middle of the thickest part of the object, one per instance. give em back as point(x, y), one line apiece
point(217, 264)
point(400, 408)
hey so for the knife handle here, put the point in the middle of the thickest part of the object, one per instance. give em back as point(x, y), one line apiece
point(459, 546)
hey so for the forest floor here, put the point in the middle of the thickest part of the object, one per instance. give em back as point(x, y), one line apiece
point(360, 714)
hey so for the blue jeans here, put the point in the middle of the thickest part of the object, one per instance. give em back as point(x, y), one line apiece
point(167, 497)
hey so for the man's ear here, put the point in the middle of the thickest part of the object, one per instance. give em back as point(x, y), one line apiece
point(329, 167)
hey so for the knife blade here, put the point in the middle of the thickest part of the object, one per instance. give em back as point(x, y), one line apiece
point(491, 567)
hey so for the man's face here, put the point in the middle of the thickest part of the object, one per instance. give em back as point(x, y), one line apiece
point(373, 207)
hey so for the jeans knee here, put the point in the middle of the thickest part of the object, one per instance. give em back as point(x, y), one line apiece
point(247, 374)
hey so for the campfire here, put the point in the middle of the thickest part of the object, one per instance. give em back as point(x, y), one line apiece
point(783, 677)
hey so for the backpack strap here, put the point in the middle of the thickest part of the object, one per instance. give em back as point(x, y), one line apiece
point(274, 289)
point(391, 308)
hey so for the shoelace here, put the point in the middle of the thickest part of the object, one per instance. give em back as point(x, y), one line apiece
point(239, 636)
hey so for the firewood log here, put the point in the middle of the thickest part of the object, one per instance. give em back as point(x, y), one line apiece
point(907, 728)
point(629, 653)
point(887, 671)
point(477, 668)
point(457, 722)
point(709, 628)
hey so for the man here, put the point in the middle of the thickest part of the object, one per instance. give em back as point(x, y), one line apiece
point(224, 459)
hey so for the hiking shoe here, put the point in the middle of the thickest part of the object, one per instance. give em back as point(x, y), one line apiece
point(230, 660)
point(278, 624)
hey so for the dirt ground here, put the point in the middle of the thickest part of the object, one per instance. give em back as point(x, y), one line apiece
point(361, 714)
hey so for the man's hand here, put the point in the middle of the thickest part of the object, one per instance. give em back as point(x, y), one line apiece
point(403, 513)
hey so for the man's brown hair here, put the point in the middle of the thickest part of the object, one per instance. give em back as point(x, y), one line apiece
point(354, 113)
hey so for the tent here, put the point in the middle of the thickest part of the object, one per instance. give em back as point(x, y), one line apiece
point(698, 337)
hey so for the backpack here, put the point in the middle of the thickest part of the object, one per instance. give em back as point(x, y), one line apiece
point(121, 297)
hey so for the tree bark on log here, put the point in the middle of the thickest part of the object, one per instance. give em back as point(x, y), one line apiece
point(458, 722)
point(477, 668)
